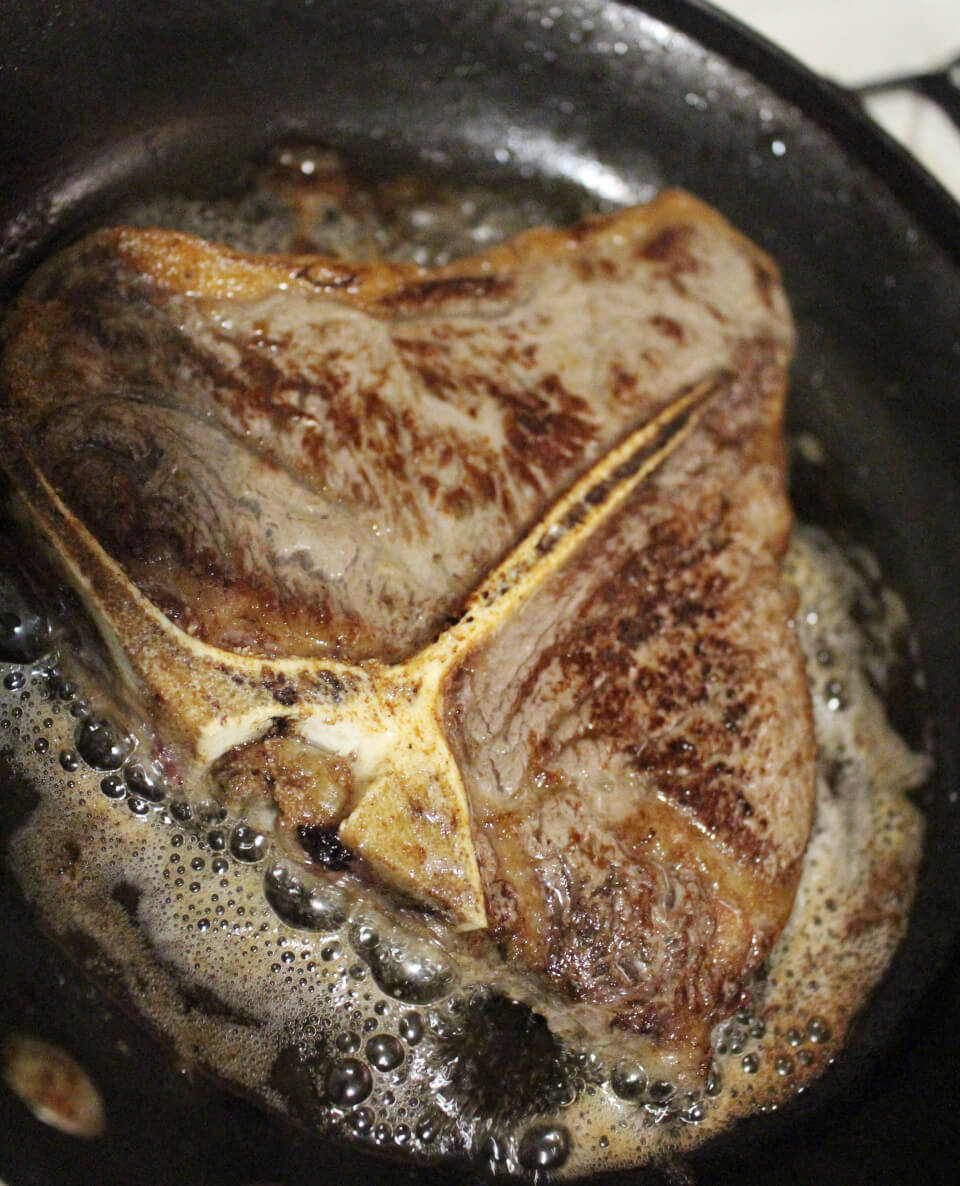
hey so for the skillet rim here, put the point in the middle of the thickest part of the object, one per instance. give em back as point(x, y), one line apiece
point(828, 104)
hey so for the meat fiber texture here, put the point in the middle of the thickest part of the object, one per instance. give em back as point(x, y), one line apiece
point(322, 502)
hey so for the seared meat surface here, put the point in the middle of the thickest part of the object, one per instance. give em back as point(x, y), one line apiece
point(298, 457)
point(635, 739)
point(501, 539)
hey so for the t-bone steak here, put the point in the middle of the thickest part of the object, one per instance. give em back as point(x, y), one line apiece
point(478, 567)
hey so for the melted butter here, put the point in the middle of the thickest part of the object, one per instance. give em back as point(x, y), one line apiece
point(207, 960)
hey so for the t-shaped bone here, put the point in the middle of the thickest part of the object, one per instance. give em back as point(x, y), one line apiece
point(411, 821)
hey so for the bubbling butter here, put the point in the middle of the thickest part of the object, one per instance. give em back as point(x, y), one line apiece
point(384, 1029)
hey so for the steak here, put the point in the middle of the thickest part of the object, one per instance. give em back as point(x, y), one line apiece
point(474, 569)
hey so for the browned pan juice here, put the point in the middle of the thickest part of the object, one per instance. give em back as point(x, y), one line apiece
point(376, 1024)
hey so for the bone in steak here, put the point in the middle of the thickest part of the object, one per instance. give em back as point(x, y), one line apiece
point(498, 543)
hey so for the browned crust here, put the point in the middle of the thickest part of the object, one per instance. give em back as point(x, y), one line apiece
point(186, 264)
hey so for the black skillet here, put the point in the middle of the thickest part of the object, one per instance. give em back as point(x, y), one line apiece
point(100, 101)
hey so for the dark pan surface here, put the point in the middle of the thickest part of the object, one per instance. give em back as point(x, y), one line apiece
point(102, 101)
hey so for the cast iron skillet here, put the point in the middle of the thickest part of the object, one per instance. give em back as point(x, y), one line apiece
point(104, 100)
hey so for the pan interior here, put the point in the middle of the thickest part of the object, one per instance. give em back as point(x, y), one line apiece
point(604, 106)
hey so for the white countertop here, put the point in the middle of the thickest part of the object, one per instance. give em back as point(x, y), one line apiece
point(854, 41)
